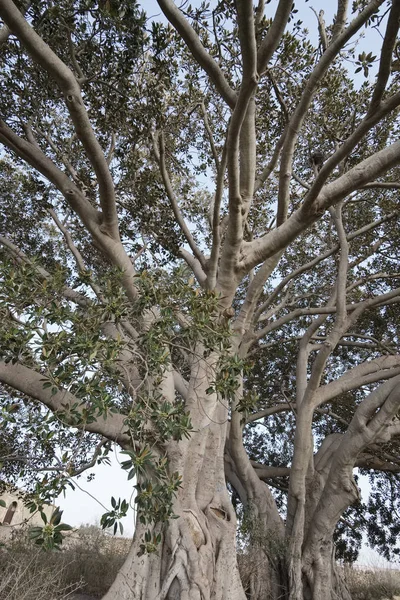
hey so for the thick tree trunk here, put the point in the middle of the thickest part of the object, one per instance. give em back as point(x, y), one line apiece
point(265, 564)
point(196, 559)
point(329, 490)
point(322, 579)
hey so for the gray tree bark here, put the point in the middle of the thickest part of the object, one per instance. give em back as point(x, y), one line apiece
point(197, 557)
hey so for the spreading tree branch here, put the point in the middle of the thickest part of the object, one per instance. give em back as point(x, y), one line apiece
point(300, 112)
point(31, 383)
point(66, 80)
point(188, 34)
point(159, 152)
point(367, 170)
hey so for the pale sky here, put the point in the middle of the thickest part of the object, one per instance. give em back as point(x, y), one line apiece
point(84, 506)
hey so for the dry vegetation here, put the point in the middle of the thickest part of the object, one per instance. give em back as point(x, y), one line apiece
point(373, 584)
point(88, 563)
point(91, 558)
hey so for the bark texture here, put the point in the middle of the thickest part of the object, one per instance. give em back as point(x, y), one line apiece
point(197, 557)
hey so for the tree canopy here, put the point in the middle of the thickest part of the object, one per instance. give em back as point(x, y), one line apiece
point(199, 245)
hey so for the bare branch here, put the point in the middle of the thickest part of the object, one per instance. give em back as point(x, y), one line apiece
point(89, 465)
point(340, 21)
point(260, 12)
point(5, 31)
point(346, 148)
point(369, 422)
point(373, 418)
point(369, 461)
point(372, 371)
point(267, 412)
point(76, 200)
point(269, 167)
point(356, 309)
point(35, 157)
point(216, 225)
point(254, 291)
point(274, 35)
point(195, 265)
point(181, 385)
point(77, 67)
point(341, 283)
point(247, 37)
point(374, 166)
point(71, 170)
point(241, 182)
point(74, 250)
point(384, 185)
point(110, 153)
point(323, 38)
point(306, 390)
point(278, 95)
point(210, 135)
point(299, 114)
point(266, 472)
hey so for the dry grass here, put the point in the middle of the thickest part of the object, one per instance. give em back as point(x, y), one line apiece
point(373, 584)
point(89, 563)
point(95, 559)
point(91, 559)
point(27, 577)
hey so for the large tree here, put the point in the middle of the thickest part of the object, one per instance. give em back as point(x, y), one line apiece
point(199, 245)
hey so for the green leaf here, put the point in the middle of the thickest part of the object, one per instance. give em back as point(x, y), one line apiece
point(63, 527)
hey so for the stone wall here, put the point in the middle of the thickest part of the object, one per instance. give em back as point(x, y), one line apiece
point(16, 515)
